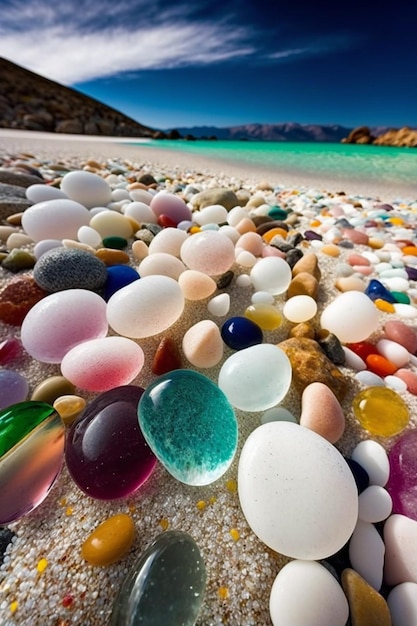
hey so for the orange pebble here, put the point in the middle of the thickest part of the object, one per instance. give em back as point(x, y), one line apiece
point(397, 221)
point(330, 249)
point(385, 306)
point(245, 226)
point(274, 232)
point(380, 365)
point(315, 223)
point(375, 243)
point(194, 229)
point(410, 250)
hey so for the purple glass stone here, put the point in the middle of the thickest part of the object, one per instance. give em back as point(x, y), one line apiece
point(14, 388)
point(402, 483)
point(311, 234)
point(411, 272)
point(106, 453)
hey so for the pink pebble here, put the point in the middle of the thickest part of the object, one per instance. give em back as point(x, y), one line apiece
point(271, 251)
point(252, 242)
point(321, 412)
point(168, 204)
point(402, 334)
point(362, 269)
point(356, 236)
point(209, 252)
point(357, 259)
point(410, 379)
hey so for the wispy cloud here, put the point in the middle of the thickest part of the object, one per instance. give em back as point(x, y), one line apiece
point(316, 47)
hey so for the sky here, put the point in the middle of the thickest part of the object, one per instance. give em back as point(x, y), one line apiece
point(225, 62)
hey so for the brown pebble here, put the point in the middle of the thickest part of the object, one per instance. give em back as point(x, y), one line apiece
point(321, 412)
point(302, 330)
point(15, 219)
point(52, 388)
point(264, 227)
point(350, 283)
point(17, 298)
point(110, 256)
point(167, 357)
point(308, 263)
point(303, 284)
point(366, 606)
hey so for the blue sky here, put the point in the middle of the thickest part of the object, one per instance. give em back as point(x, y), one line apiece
point(211, 62)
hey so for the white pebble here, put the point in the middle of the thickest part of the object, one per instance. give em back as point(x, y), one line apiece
point(351, 316)
point(141, 195)
point(236, 215)
point(213, 214)
point(271, 274)
point(366, 553)
point(89, 236)
point(243, 280)
point(219, 306)
point(375, 504)
point(300, 309)
point(86, 188)
point(44, 245)
point(395, 383)
point(353, 360)
point(396, 284)
point(373, 458)
point(278, 414)
point(140, 211)
point(245, 258)
point(405, 310)
point(369, 379)
point(40, 193)
point(168, 240)
point(393, 351)
point(262, 297)
point(402, 603)
point(161, 263)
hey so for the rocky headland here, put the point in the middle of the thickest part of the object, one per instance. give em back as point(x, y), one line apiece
point(405, 137)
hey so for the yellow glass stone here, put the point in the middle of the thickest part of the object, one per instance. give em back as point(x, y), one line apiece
point(235, 534)
point(381, 411)
point(385, 306)
point(274, 232)
point(42, 565)
point(69, 407)
point(110, 541)
point(375, 243)
point(266, 316)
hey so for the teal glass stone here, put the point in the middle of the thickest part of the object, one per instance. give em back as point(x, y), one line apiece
point(114, 242)
point(189, 425)
point(277, 213)
point(400, 297)
point(165, 586)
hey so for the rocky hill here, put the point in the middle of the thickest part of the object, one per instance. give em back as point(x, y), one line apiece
point(31, 102)
point(401, 137)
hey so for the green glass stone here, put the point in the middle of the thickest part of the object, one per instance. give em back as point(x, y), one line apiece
point(401, 298)
point(165, 586)
point(277, 213)
point(18, 420)
point(116, 243)
point(189, 425)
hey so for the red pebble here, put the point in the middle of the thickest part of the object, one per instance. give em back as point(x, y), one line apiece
point(10, 349)
point(402, 334)
point(380, 365)
point(410, 379)
point(166, 222)
point(363, 349)
point(18, 298)
point(167, 357)
point(67, 600)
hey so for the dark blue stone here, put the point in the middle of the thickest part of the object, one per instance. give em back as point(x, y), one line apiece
point(240, 332)
point(411, 272)
point(118, 276)
point(376, 290)
point(359, 474)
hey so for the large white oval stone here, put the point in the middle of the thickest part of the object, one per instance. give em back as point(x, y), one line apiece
point(55, 219)
point(296, 491)
point(87, 188)
point(352, 317)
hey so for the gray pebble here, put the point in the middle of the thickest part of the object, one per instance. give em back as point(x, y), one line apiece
point(67, 268)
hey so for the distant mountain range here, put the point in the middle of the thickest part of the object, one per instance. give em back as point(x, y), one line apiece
point(270, 132)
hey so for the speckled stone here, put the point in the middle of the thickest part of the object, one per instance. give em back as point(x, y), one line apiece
point(17, 298)
point(61, 269)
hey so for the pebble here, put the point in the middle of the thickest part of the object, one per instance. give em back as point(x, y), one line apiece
point(400, 537)
point(102, 364)
point(240, 332)
point(401, 333)
point(278, 414)
point(118, 276)
point(170, 573)
point(403, 471)
point(190, 425)
point(410, 379)
point(301, 505)
point(266, 316)
point(110, 541)
point(374, 460)
point(405, 310)
point(366, 553)
point(10, 349)
point(219, 305)
point(369, 379)
point(212, 214)
point(321, 412)
point(17, 240)
point(209, 252)
point(118, 462)
point(323, 602)
point(381, 411)
point(62, 320)
point(168, 204)
point(55, 219)
point(300, 308)
point(402, 603)
point(40, 192)
point(218, 195)
point(256, 378)
point(87, 188)
point(271, 274)
point(303, 284)
point(169, 241)
point(367, 607)
point(167, 357)
point(393, 351)
point(196, 285)
point(51, 388)
point(350, 283)
point(111, 224)
point(351, 316)
point(112, 257)
point(145, 307)
point(14, 388)
point(69, 407)
point(162, 264)
point(375, 504)
point(31, 445)
point(309, 264)
point(202, 344)
point(18, 260)
point(44, 245)
point(61, 269)
point(17, 299)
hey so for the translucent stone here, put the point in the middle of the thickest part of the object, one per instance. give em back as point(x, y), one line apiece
point(209, 252)
point(239, 333)
point(296, 491)
point(118, 276)
point(300, 309)
point(256, 378)
point(62, 320)
point(381, 411)
point(55, 219)
point(102, 364)
point(163, 264)
point(69, 407)
point(146, 307)
point(190, 426)
point(278, 414)
point(403, 471)
point(271, 274)
point(14, 388)
point(165, 585)
point(352, 317)
point(31, 456)
point(110, 541)
point(112, 224)
point(374, 460)
point(87, 188)
point(105, 452)
point(168, 240)
point(267, 316)
point(196, 285)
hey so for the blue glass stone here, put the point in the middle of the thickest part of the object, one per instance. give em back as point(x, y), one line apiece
point(190, 426)
point(240, 332)
point(165, 586)
point(118, 276)
point(376, 290)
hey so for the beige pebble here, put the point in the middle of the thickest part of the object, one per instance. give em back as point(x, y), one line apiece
point(6, 231)
point(303, 284)
point(18, 240)
point(72, 244)
point(163, 264)
point(202, 344)
point(112, 224)
point(308, 263)
point(245, 226)
point(139, 250)
point(330, 249)
point(15, 219)
point(252, 242)
point(51, 388)
point(350, 283)
point(196, 285)
point(400, 538)
point(321, 412)
point(69, 407)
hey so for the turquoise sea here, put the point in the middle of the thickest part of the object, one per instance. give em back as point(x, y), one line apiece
point(372, 164)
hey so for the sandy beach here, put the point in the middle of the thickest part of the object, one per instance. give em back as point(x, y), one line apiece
point(240, 568)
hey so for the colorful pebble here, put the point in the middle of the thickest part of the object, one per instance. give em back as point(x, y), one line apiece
point(110, 541)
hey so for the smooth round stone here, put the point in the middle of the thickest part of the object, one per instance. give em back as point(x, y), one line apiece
point(369, 379)
point(209, 252)
point(62, 268)
point(303, 505)
point(163, 264)
point(10, 349)
point(146, 307)
point(278, 414)
point(300, 309)
point(110, 541)
point(102, 364)
point(322, 412)
point(31, 455)
point(168, 240)
point(400, 537)
point(190, 426)
point(219, 306)
point(45, 245)
point(69, 407)
point(118, 276)
point(105, 452)
point(196, 285)
point(323, 600)
point(262, 297)
point(164, 586)
point(381, 411)
point(173, 206)
point(393, 351)
point(140, 211)
point(401, 333)
point(40, 193)
point(202, 344)
point(266, 316)
point(256, 378)
point(374, 460)
point(367, 607)
point(112, 224)
point(395, 383)
point(89, 236)
point(51, 388)
point(375, 504)
point(55, 219)
point(141, 195)
point(403, 471)
point(405, 310)
point(214, 214)
point(14, 388)
point(366, 553)
point(271, 274)
point(240, 332)
point(409, 378)
point(352, 317)
point(402, 603)
point(62, 320)
point(86, 188)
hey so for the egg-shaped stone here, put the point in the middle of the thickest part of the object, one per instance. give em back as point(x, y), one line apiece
point(352, 317)
point(62, 320)
point(110, 541)
point(64, 268)
point(402, 603)
point(296, 491)
point(164, 203)
point(202, 344)
point(55, 219)
point(86, 188)
point(209, 252)
point(321, 411)
point(271, 274)
point(105, 451)
point(196, 285)
point(163, 264)
point(300, 309)
point(256, 378)
point(168, 240)
point(14, 387)
point(112, 224)
point(102, 364)
point(146, 307)
point(41, 192)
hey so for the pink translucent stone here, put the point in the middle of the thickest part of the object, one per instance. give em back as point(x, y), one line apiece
point(171, 206)
point(209, 252)
point(402, 483)
point(10, 349)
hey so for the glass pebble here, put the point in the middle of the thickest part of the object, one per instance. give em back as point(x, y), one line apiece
point(190, 426)
point(110, 541)
point(13, 388)
point(381, 411)
point(376, 289)
point(300, 308)
point(105, 452)
point(31, 456)
point(278, 414)
point(239, 333)
point(10, 349)
point(403, 471)
point(209, 252)
point(69, 407)
point(267, 316)
point(271, 274)
point(351, 316)
point(118, 276)
point(256, 378)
